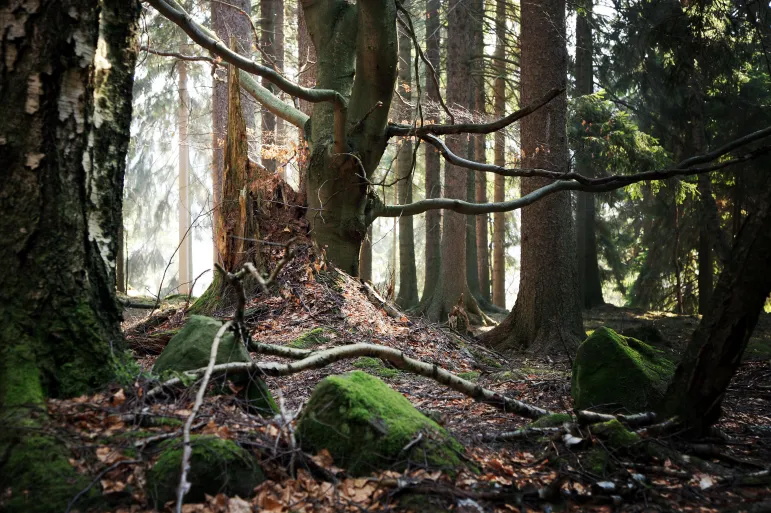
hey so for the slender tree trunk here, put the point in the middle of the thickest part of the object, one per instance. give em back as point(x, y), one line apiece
point(480, 196)
point(227, 22)
point(408, 275)
point(432, 160)
point(365, 258)
point(452, 278)
point(307, 78)
point(588, 267)
point(676, 258)
point(120, 261)
point(716, 347)
point(183, 228)
point(272, 46)
point(499, 218)
point(547, 314)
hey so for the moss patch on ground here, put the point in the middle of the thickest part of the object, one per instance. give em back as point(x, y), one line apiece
point(615, 434)
point(613, 371)
point(553, 420)
point(216, 466)
point(375, 366)
point(470, 375)
point(366, 426)
point(311, 339)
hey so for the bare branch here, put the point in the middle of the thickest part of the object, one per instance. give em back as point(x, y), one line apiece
point(271, 102)
point(179, 56)
point(397, 358)
point(208, 40)
point(474, 128)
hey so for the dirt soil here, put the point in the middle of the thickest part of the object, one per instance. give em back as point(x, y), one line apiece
point(728, 472)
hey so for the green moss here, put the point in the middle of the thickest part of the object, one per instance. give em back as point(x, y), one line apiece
point(484, 359)
point(39, 477)
point(20, 380)
point(615, 434)
point(216, 466)
point(553, 420)
point(613, 370)
point(375, 366)
point(470, 375)
point(191, 348)
point(597, 461)
point(365, 425)
point(313, 338)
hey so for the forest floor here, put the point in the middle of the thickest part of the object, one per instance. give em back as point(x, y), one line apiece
point(728, 473)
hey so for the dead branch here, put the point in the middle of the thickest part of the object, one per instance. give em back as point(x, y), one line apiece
point(397, 358)
point(636, 420)
point(187, 450)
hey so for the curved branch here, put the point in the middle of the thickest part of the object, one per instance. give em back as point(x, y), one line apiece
point(474, 128)
point(565, 182)
point(399, 359)
point(271, 102)
point(204, 37)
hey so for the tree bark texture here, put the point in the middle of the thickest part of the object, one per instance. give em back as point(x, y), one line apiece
point(356, 48)
point(432, 159)
point(452, 278)
point(588, 266)
point(272, 46)
point(227, 21)
point(408, 274)
point(499, 159)
point(365, 258)
point(716, 347)
point(547, 313)
point(67, 71)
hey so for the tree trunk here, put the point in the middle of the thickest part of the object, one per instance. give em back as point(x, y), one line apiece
point(716, 347)
point(408, 274)
point(547, 314)
point(62, 198)
point(452, 278)
point(499, 218)
point(272, 46)
point(365, 258)
point(227, 22)
point(185, 253)
point(588, 267)
point(64, 135)
point(120, 261)
point(307, 70)
point(432, 160)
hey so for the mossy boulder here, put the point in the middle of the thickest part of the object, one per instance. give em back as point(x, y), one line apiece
point(191, 347)
point(614, 371)
point(375, 366)
point(615, 434)
point(367, 426)
point(216, 466)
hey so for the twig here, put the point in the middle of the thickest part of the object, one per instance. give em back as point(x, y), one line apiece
point(187, 451)
point(96, 480)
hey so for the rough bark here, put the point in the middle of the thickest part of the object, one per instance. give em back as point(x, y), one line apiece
point(120, 262)
point(452, 275)
point(547, 314)
point(272, 46)
point(588, 267)
point(67, 78)
point(499, 159)
point(408, 274)
point(716, 347)
point(432, 160)
point(365, 257)
point(227, 21)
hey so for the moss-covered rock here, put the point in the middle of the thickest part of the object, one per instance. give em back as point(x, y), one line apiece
point(191, 347)
point(611, 370)
point(216, 465)
point(365, 425)
point(553, 420)
point(311, 339)
point(38, 478)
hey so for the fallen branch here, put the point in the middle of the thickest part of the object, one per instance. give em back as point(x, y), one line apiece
point(397, 358)
point(518, 434)
point(187, 451)
point(380, 302)
point(636, 420)
point(283, 351)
